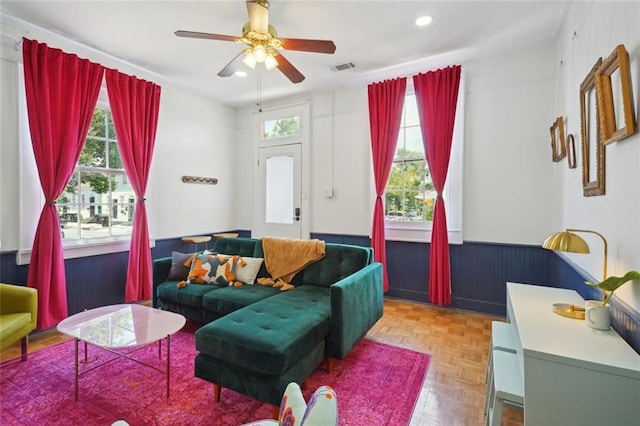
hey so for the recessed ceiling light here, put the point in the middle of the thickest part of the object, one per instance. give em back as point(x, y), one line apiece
point(241, 73)
point(423, 21)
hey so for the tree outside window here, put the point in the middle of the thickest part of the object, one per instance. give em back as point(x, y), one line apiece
point(99, 177)
point(281, 127)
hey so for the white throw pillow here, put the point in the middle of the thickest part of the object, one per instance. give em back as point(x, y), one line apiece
point(248, 273)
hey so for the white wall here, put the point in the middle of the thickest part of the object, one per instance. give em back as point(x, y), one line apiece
point(507, 161)
point(599, 27)
point(8, 156)
point(340, 161)
point(195, 137)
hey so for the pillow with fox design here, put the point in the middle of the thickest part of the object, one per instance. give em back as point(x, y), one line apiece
point(226, 273)
point(203, 269)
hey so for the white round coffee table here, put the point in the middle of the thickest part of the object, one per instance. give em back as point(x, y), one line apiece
point(117, 327)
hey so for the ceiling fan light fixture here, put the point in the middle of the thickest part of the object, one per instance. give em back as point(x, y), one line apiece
point(259, 53)
point(249, 60)
point(270, 62)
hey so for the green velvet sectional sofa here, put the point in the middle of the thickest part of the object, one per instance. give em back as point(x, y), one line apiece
point(258, 339)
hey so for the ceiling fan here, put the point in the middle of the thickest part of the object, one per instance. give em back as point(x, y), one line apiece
point(263, 43)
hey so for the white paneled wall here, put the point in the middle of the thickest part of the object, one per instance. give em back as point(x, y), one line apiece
point(593, 30)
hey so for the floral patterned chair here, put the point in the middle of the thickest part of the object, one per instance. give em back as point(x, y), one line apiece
point(322, 409)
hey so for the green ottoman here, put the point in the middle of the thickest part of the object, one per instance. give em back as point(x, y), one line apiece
point(258, 350)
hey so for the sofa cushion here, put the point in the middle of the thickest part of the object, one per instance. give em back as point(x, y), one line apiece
point(240, 246)
point(270, 335)
point(229, 299)
point(247, 269)
point(340, 261)
point(204, 269)
point(190, 295)
point(179, 266)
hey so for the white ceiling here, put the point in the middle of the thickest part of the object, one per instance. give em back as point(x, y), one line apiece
point(378, 36)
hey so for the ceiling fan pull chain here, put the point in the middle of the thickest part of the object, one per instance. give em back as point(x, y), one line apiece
point(259, 94)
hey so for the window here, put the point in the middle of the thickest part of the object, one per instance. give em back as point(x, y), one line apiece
point(97, 202)
point(281, 127)
point(409, 195)
point(97, 206)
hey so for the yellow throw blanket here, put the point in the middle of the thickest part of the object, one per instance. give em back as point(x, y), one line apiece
point(284, 258)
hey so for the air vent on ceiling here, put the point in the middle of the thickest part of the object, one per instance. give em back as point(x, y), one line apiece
point(343, 67)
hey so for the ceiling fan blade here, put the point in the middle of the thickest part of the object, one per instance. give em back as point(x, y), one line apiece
point(289, 70)
point(232, 66)
point(258, 11)
point(209, 36)
point(317, 46)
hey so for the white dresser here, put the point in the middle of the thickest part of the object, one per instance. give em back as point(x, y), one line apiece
point(573, 375)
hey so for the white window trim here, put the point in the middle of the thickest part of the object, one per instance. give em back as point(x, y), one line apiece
point(421, 231)
point(32, 199)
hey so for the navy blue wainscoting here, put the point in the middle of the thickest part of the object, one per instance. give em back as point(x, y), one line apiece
point(624, 319)
point(479, 273)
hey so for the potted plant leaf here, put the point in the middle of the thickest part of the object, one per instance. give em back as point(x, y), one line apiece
point(611, 284)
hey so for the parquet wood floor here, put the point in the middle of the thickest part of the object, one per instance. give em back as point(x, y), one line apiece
point(458, 342)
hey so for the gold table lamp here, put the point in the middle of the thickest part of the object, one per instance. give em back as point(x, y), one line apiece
point(569, 242)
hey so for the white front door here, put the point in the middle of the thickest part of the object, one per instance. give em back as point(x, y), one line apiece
point(277, 193)
point(281, 179)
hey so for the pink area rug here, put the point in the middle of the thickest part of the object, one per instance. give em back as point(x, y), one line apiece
point(376, 384)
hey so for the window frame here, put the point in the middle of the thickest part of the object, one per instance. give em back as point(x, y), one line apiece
point(32, 199)
point(453, 189)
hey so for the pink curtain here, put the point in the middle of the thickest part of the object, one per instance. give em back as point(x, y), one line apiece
point(437, 98)
point(134, 106)
point(61, 91)
point(385, 112)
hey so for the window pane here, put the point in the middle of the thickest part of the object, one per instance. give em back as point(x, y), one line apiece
point(111, 129)
point(393, 205)
point(95, 203)
point(115, 162)
point(411, 117)
point(409, 192)
point(122, 215)
point(92, 184)
point(414, 175)
point(279, 190)
point(93, 154)
point(400, 149)
point(70, 194)
point(413, 142)
point(289, 126)
point(98, 123)
point(94, 224)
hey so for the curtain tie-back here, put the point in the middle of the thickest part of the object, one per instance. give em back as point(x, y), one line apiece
point(51, 203)
point(439, 196)
point(142, 200)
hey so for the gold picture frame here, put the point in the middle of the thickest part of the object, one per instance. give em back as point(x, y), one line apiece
point(558, 146)
point(592, 183)
point(618, 60)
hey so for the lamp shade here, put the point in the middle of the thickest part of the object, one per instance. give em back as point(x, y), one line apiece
point(567, 242)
